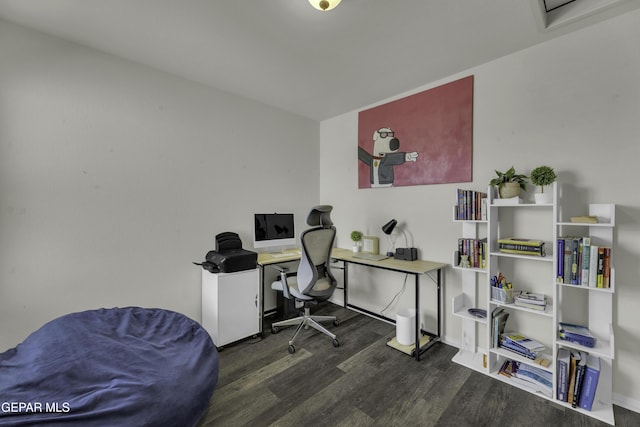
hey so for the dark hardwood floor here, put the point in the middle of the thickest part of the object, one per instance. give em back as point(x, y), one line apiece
point(366, 383)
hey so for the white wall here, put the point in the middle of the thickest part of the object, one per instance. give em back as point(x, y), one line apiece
point(572, 103)
point(114, 177)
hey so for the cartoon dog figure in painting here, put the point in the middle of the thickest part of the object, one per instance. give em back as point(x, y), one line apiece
point(385, 156)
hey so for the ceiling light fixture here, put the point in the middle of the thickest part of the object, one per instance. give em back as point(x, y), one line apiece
point(324, 5)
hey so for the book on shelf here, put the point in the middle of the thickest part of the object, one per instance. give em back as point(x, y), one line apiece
point(517, 350)
point(521, 246)
point(581, 366)
point(576, 245)
point(577, 334)
point(585, 219)
point(606, 268)
point(523, 342)
point(589, 382)
point(541, 378)
point(563, 374)
point(574, 360)
point(531, 306)
point(471, 205)
point(531, 300)
point(527, 376)
point(499, 320)
point(593, 265)
point(600, 268)
point(560, 259)
point(586, 254)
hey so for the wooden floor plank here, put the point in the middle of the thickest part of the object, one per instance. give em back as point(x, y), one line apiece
point(364, 382)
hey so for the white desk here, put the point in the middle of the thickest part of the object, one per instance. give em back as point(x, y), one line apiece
point(415, 268)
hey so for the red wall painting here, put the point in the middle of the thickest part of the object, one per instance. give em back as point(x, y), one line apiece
point(425, 138)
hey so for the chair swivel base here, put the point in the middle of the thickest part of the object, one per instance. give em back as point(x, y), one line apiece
point(305, 321)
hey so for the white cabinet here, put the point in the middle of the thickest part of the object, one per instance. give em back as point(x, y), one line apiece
point(231, 305)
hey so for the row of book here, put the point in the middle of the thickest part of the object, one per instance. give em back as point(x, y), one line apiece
point(578, 374)
point(475, 250)
point(471, 205)
point(528, 376)
point(582, 262)
point(515, 245)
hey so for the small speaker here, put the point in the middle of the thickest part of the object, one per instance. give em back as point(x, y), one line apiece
point(406, 254)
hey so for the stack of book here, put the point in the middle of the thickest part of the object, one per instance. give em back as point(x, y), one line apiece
point(528, 376)
point(531, 300)
point(471, 205)
point(521, 345)
point(475, 249)
point(577, 334)
point(582, 262)
point(515, 245)
point(578, 375)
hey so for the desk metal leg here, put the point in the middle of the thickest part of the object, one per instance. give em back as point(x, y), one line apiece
point(433, 338)
point(418, 331)
point(261, 300)
point(345, 279)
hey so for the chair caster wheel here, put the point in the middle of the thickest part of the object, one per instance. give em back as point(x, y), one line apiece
point(336, 322)
point(292, 349)
point(336, 343)
point(275, 330)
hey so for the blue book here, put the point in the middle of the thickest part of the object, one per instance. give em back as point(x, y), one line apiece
point(590, 382)
point(576, 334)
point(560, 256)
point(563, 375)
point(519, 350)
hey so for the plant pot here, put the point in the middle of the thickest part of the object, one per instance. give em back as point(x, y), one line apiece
point(543, 198)
point(356, 247)
point(509, 190)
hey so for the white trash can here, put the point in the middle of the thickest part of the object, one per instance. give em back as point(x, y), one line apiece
point(406, 326)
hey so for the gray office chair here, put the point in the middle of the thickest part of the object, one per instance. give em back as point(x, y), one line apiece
point(313, 281)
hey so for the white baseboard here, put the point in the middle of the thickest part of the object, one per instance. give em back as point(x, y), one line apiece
point(626, 402)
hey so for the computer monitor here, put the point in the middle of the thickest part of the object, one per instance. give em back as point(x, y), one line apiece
point(273, 230)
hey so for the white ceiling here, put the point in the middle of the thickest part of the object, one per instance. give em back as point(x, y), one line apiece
point(287, 54)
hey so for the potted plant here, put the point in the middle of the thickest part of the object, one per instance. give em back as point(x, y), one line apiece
point(543, 176)
point(509, 183)
point(356, 236)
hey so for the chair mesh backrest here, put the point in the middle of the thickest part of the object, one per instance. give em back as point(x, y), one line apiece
point(314, 271)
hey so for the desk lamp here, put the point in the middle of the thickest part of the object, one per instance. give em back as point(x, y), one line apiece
point(388, 229)
point(402, 253)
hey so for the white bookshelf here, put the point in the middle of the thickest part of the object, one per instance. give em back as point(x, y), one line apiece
point(591, 306)
point(585, 305)
point(472, 349)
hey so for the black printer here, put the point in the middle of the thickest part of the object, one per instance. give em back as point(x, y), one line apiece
point(229, 257)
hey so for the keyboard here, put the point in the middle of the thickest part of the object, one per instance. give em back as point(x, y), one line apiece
point(370, 257)
point(285, 254)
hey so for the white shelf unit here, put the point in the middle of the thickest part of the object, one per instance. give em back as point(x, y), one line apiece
point(526, 272)
point(472, 348)
point(591, 306)
point(565, 303)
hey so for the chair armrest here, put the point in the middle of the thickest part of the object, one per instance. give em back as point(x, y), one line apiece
point(280, 268)
point(284, 273)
